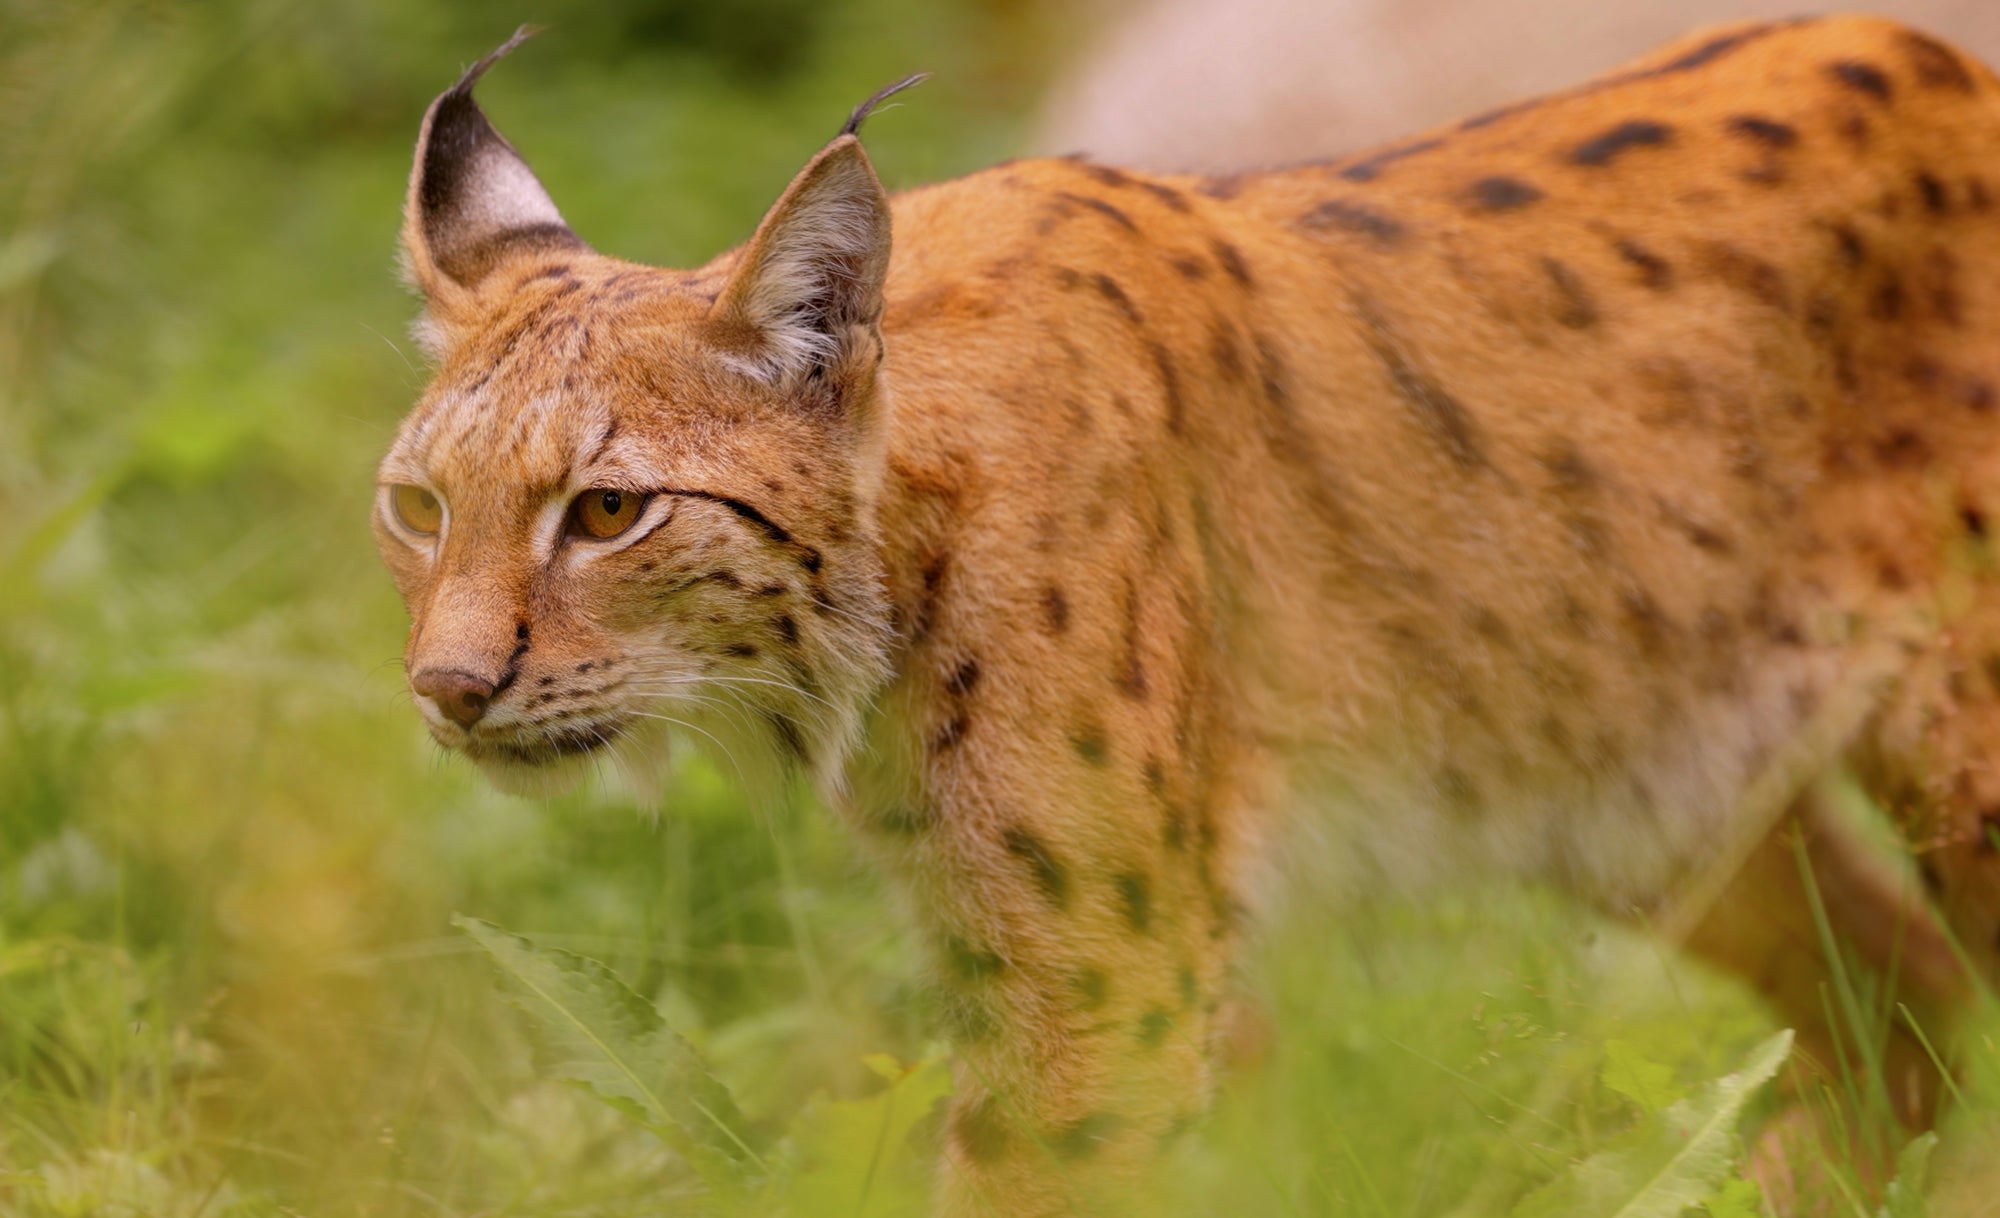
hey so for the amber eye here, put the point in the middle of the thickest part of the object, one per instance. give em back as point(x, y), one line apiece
point(603, 513)
point(417, 508)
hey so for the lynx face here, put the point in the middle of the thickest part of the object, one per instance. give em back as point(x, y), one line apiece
point(606, 530)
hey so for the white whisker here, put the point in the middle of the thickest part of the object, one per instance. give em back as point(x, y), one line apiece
point(733, 763)
point(784, 685)
point(730, 708)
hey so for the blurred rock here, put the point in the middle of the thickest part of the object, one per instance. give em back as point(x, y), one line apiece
point(1218, 85)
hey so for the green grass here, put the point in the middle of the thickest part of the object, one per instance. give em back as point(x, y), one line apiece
point(228, 859)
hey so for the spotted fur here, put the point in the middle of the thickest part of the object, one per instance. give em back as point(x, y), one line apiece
point(1564, 491)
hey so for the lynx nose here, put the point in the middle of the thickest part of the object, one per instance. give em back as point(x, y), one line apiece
point(460, 695)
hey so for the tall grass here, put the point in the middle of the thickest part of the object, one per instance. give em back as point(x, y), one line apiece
point(228, 860)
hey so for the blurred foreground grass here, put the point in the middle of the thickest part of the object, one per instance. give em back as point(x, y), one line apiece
point(228, 856)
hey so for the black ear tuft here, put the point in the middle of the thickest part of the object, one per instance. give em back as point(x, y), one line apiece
point(473, 200)
point(457, 128)
point(862, 111)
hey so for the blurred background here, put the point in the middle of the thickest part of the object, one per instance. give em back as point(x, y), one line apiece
point(1213, 86)
point(228, 854)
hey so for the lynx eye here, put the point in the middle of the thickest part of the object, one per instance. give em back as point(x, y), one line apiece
point(603, 514)
point(417, 508)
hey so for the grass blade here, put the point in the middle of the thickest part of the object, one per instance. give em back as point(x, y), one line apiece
point(592, 1030)
point(1671, 1160)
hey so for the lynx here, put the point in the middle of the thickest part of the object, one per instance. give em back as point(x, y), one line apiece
point(1567, 492)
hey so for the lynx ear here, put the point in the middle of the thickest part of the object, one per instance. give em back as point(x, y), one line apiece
point(473, 202)
point(813, 273)
point(807, 292)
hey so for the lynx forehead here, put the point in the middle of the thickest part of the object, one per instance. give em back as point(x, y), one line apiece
point(1566, 491)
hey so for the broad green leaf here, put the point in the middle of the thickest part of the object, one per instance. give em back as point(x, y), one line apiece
point(1638, 1078)
point(854, 1157)
point(592, 1030)
point(1737, 1198)
point(1670, 1161)
point(1904, 1198)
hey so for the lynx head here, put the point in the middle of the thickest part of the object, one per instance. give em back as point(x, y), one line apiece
point(633, 498)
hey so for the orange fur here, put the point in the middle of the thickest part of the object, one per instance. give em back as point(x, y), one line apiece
point(1562, 491)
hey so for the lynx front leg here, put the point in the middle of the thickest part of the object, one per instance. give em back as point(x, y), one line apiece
point(1079, 939)
point(1080, 963)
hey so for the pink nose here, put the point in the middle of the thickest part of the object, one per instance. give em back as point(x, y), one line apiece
point(460, 695)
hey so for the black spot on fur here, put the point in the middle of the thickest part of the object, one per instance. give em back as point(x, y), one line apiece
point(1352, 217)
point(1647, 625)
point(1223, 186)
point(1171, 199)
point(1932, 192)
point(1702, 536)
point(1935, 64)
point(1223, 350)
point(1232, 262)
point(1190, 267)
point(1568, 470)
point(741, 650)
point(1093, 988)
point(1499, 113)
point(1135, 898)
point(1055, 609)
point(1766, 131)
point(933, 575)
point(1708, 52)
point(1501, 194)
point(1863, 78)
point(1576, 309)
point(1105, 174)
point(982, 1130)
point(1853, 252)
point(1049, 873)
point(952, 732)
point(1456, 788)
point(1603, 149)
point(787, 629)
point(789, 737)
point(1109, 211)
point(1092, 745)
point(1154, 1026)
point(972, 964)
point(1902, 448)
point(1109, 288)
point(963, 678)
point(1131, 679)
point(1440, 414)
point(1749, 274)
point(1369, 169)
point(1654, 271)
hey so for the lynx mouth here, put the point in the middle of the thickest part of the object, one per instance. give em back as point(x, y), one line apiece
point(546, 747)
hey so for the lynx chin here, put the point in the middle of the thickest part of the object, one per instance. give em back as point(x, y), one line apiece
point(1567, 492)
